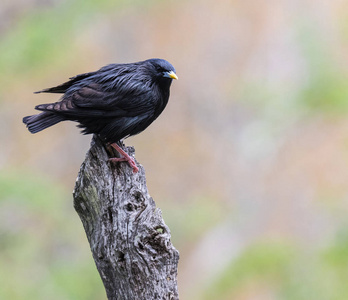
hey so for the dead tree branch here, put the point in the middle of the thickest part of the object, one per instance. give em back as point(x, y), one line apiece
point(129, 240)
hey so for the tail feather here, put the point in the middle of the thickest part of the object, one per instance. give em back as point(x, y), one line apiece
point(41, 121)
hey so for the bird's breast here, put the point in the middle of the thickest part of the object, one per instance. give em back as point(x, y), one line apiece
point(161, 102)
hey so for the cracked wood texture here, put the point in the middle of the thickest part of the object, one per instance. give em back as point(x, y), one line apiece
point(129, 240)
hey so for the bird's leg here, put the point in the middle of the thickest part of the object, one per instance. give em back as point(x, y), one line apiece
point(125, 157)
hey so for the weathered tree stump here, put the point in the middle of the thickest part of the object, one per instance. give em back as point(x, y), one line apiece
point(129, 240)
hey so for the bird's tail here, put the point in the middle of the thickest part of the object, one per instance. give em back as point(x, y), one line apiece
point(41, 121)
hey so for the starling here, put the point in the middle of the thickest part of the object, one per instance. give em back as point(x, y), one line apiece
point(115, 102)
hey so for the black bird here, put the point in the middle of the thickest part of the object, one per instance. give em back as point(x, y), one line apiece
point(115, 102)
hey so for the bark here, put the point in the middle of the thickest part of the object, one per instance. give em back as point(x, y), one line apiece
point(129, 240)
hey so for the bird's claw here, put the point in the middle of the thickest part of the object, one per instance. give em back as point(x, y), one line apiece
point(130, 161)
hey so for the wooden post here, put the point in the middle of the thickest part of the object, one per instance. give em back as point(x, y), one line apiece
point(129, 240)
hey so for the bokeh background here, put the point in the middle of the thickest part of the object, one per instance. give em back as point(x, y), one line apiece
point(249, 161)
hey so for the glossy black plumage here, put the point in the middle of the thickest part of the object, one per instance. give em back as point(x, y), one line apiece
point(115, 102)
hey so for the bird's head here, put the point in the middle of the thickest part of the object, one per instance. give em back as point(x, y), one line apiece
point(162, 70)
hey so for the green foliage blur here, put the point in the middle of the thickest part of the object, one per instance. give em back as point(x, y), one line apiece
point(249, 162)
point(42, 247)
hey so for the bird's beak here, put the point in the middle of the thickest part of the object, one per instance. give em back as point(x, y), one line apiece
point(171, 75)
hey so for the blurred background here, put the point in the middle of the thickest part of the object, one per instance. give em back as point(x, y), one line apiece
point(248, 162)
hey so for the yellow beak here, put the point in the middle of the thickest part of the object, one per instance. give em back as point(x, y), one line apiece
point(172, 75)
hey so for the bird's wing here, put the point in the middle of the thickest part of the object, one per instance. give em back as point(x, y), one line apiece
point(97, 100)
point(79, 79)
point(62, 88)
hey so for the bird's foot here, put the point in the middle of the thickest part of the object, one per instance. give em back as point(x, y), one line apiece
point(128, 159)
point(125, 157)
